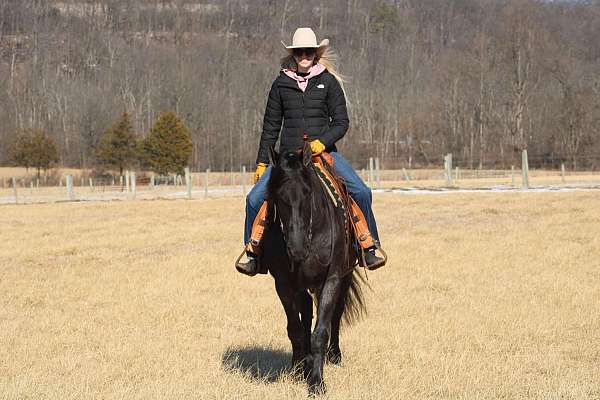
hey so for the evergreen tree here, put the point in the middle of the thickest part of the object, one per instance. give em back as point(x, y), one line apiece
point(19, 152)
point(33, 148)
point(168, 146)
point(118, 148)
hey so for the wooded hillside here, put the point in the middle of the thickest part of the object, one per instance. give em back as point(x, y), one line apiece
point(482, 79)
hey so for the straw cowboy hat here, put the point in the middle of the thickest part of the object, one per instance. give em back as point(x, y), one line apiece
point(305, 37)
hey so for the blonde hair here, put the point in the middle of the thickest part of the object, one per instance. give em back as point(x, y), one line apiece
point(326, 57)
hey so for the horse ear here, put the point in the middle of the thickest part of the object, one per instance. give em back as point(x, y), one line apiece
point(306, 154)
point(273, 156)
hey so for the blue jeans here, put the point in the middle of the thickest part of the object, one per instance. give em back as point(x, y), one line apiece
point(356, 188)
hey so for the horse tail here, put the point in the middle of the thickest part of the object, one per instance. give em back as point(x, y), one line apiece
point(354, 300)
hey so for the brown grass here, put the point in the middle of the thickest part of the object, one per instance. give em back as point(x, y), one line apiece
point(486, 296)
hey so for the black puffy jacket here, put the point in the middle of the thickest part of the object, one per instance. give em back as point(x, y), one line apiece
point(320, 112)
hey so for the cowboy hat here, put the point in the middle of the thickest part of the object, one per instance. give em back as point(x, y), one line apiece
point(305, 37)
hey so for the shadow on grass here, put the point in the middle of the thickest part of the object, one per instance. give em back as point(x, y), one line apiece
point(258, 363)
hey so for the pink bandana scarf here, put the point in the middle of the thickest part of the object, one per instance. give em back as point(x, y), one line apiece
point(303, 80)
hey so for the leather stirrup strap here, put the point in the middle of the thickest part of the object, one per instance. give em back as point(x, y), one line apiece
point(361, 229)
point(258, 229)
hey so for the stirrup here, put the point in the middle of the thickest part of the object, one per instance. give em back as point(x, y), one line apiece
point(375, 266)
point(240, 267)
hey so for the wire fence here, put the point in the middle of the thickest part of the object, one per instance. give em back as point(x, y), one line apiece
point(81, 186)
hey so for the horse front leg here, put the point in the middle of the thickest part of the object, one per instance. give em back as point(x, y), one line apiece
point(306, 314)
point(334, 353)
point(294, 326)
point(320, 337)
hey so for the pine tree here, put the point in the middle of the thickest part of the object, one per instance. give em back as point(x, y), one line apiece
point(33, 148)
point(118, 148)
point(168, 146)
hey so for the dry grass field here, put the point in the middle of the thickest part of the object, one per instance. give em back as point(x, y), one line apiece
point(486, 296)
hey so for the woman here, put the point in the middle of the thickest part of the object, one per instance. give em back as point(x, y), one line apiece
point(308, 98)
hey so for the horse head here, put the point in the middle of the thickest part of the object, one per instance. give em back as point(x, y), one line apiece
point(291, 191)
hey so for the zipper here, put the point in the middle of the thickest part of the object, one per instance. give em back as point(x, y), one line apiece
point(304, 133)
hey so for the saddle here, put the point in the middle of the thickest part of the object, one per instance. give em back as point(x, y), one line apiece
point(355, 223)
point(336, 188)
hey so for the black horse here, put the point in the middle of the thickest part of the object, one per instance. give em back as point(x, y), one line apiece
point(308, 249)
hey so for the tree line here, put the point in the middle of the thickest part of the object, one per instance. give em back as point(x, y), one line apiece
point(166, 149)
point(482, 79)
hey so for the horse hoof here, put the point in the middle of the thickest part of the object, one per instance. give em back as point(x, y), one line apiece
point(334, 357)
point(317, 389)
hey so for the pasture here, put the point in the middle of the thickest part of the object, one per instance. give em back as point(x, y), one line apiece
point(485, 296)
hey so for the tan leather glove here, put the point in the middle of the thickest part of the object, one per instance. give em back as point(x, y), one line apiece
point(260, 169)
point(317, 147)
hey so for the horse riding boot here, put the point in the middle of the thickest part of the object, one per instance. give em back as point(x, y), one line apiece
point(248, 267)
point(368, 259)
point(372, 261)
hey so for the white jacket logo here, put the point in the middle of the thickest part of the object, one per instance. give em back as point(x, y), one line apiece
point(321, 86)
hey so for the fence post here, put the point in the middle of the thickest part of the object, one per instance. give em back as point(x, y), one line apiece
point(70, 187)
point(91, 184)
point(14, 185)
point(244, 180)
point(512, 175)
point(371, 178)
point(456, 174)
point(152, 182)
point(448, 168)
point(377, 175)
point(206, 183)
point(562, 172)
point(188, 182)
point(525, 170)
point(133, 185)
point(127, 181)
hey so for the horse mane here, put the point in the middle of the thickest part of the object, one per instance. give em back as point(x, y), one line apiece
point(290, 171)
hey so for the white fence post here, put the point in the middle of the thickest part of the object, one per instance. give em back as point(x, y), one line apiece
point(14, 185)
point(244, 180)
point(448, 168)
point(70, 187)
point(525, 169)
point(133, 184)
point(152, 182)
point(562, 172)
point(91, 184)
point(377, 176)
point(371, 178)
point(512, 175)
point(206, 183)
point(127, 181)
point(188, 182)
